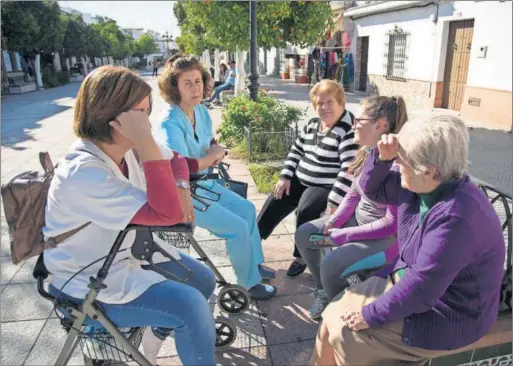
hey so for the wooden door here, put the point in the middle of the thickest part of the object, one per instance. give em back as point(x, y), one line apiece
point(363, 63)
point(456, 64)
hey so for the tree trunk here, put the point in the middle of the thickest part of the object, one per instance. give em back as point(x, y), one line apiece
point(217, 61)
point(57, 62)
point(240, 82)
point(84, 63)
point(277, 63)
point(265, 61)
point(37, 67)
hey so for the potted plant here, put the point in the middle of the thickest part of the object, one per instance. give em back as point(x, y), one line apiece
point(301, 77)
point(285, 75)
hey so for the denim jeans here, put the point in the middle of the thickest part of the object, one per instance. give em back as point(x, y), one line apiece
point(220, 89)
point(172, 305)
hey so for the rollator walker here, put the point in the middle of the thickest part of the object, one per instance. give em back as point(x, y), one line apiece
point(100, 340)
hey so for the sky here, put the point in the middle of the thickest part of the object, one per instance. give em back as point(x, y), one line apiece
point(155, 15)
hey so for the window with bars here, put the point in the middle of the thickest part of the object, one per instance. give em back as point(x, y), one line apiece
point(396, 56)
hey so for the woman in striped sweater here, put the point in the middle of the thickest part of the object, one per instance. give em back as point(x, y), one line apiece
point(315, 178)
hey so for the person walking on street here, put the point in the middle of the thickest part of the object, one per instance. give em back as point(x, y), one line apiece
point(155, 64)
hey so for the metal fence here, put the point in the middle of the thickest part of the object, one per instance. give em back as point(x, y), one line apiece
point(270, 146)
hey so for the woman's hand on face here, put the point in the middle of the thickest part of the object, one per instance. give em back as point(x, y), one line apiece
point(134, 125)
point(388, 147)
point(283, 186)
point(354, 320)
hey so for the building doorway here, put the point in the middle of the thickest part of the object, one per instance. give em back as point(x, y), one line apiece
point(363, 63)
point(457, 62)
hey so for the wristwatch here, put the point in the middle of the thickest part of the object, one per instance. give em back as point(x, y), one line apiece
point(183, 184)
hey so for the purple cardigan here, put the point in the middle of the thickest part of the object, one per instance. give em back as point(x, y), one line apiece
point(449, 296)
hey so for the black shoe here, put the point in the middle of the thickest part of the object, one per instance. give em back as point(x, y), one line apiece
point(296, 269)
point(262, 292)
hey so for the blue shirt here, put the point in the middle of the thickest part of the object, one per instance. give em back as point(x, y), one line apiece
point(175, 131)
point(231, 78)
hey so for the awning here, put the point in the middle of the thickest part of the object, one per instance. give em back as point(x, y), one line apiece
point(383, 6)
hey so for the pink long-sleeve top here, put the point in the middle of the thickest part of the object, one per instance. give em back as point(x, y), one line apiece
point(375, 220)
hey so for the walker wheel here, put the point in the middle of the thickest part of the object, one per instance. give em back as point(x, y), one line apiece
point(233, 299)
point(226, 333)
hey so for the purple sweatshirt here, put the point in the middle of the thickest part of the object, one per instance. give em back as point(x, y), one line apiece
point(449, 296)
point(380, 228)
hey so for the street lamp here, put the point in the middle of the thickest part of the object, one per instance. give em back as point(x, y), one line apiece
point(253, 52)
point(167, 38)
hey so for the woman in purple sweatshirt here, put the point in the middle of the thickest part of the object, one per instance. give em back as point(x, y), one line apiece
point(443, 293)
point(362, 231)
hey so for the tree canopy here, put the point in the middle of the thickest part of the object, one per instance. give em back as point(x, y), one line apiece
point(40, 26)
point(32, 26)
point(225, 24)
point(74, 43)
point(145, 45)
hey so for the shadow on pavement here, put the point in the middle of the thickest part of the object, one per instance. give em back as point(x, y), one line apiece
point(22, 114)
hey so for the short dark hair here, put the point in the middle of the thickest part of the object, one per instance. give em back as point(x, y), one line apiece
point(232, 62)
point(104, 94)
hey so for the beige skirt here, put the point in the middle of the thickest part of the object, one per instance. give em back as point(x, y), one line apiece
point(377, 346)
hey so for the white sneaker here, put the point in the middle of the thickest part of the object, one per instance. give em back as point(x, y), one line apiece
point(151, 345)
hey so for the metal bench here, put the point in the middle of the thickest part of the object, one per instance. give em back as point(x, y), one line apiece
point(226, 96)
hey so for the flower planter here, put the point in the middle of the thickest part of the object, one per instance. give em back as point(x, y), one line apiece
point(302, 79)
point(284, 75)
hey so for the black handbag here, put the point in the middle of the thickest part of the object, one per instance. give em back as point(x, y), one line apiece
point(241, 188)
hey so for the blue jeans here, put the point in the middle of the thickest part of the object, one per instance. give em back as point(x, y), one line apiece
point(218, 91)
point(174, 305)
point(233, 218)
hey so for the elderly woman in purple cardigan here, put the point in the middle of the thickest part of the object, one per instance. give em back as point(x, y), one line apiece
point(443, 292)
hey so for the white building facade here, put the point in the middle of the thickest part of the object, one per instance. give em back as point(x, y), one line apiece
point(135, 33)
point(441, 54)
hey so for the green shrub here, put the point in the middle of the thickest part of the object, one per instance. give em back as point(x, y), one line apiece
point(63, 77)
point(50, 79)
point(267, 115)
point(265, 177)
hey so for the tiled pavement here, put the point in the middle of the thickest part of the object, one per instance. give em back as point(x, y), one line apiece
point(277, 332)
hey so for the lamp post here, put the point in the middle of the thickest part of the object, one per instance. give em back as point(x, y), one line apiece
point(166, 37)
point(253, 52)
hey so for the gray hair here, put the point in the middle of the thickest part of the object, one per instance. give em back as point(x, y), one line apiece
point(440, 142)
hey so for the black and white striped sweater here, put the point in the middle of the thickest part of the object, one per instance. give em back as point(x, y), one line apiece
point(325, 163)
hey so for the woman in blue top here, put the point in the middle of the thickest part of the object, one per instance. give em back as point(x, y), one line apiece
point(186, 127)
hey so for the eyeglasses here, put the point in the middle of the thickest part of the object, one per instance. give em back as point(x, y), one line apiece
point(359, 120)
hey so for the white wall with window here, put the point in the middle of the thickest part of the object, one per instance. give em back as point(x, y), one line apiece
point(426, 40)
point(412, 54)
point(408, 43)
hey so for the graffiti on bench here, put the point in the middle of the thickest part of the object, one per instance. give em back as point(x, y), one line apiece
point(504, 360)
